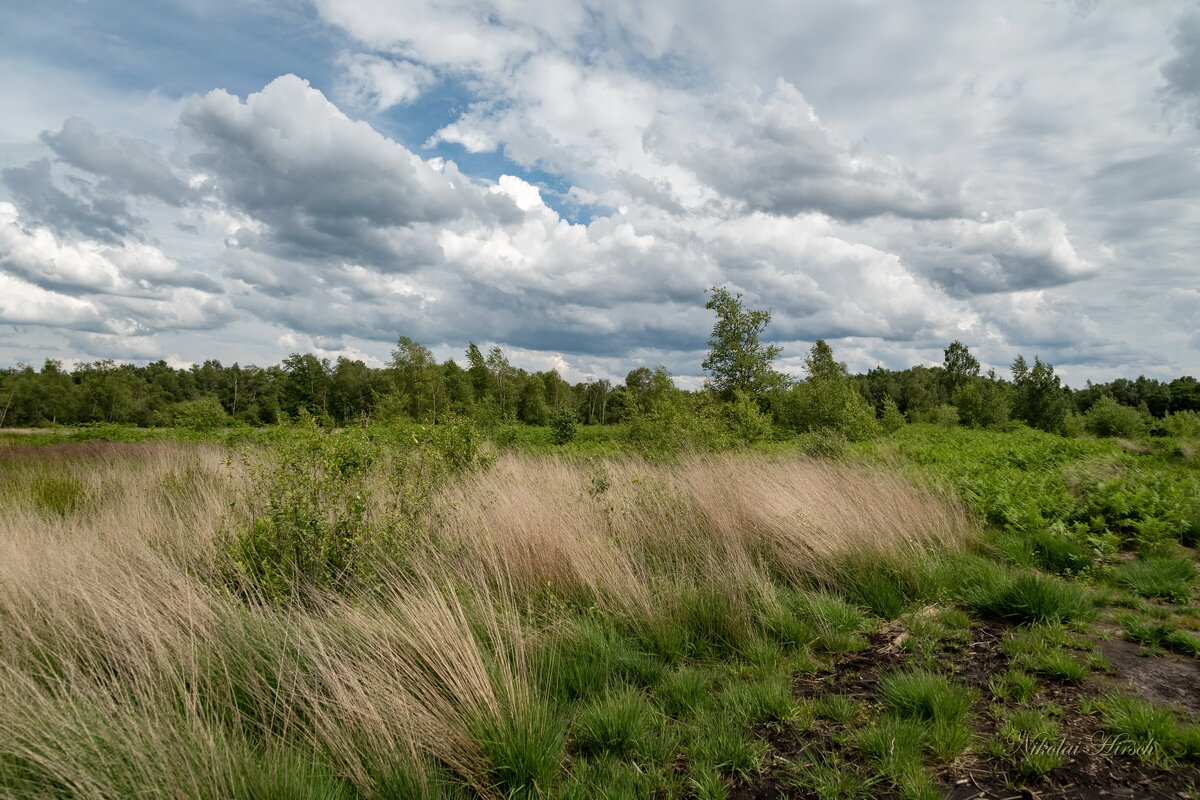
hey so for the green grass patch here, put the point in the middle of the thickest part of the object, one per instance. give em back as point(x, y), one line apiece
point(1030, 598)
point(621, 722)
point(1161, 577)
point(712, 743)
point(1151, 733)
point(925, 696)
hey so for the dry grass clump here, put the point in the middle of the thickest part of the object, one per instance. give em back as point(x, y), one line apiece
point(612, 532)
point(127, 669)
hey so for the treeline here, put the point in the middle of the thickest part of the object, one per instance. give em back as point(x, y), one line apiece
point(744, 394)
point(489, 389)
point(413, 386)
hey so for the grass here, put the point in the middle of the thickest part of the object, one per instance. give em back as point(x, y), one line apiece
point(1151, 733)
point(925, 696)
point(935, 701)
point(1160, 634)
point(1014, 686)
point(760, 701)
point(619, 722)
point(1029, 598)
point(525, 625)
point(1163, 577)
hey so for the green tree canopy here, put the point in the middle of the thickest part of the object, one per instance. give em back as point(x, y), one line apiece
point(737, 361)
point(1040, 400)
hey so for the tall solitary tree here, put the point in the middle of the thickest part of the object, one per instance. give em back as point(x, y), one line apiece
point(737, 361)
point(959, 365)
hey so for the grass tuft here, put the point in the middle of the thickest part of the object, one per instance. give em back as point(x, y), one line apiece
point(1159, 576)
point(925, 696)
point(1032, 599)
point(620, 723)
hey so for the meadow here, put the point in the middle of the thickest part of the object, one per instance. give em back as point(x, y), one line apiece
point(429, 612)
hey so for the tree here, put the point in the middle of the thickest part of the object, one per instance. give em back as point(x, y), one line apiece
point(420, 378)
point(958, 365)
point(1185, 394)
point(737, 361)
point(821, 365)
point(531, 404)
point(1040, 400)
point(638, 384)
point(981, 402)
point(503, 380)
point(306, 385)
point(827, 401)
point(477, 370)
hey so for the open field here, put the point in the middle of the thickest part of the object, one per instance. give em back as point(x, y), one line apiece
point(412, 613)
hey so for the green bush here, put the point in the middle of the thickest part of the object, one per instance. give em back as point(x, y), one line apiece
point(890, 418)
point(204, 414)
point(562, 426)
point(827, 404)
point(1107, 417)
point(1183, 423)
point(945, 415)
point(746, 422)
point(311, 524)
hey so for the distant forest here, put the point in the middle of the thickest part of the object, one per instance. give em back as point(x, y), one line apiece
point(490, 390)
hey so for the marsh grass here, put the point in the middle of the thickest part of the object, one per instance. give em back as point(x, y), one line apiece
point(131, 665)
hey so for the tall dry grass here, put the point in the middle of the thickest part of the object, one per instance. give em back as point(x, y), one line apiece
point(126, 670)
point(613, 532)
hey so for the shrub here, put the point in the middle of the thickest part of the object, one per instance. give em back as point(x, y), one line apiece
point(744, 419)
point(831, 404)
point(313, 500)
point(1107, 417)
point(562, 426)
point(945, 415)
point(1183, 423)
point(204, 414)
point(890, 418)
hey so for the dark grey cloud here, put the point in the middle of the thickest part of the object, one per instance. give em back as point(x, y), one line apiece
point(1030, 251)
point(87, 211)
point(1182, 72)
point(126, 166)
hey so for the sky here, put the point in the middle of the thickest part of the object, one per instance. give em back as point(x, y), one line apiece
point(196, 179)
